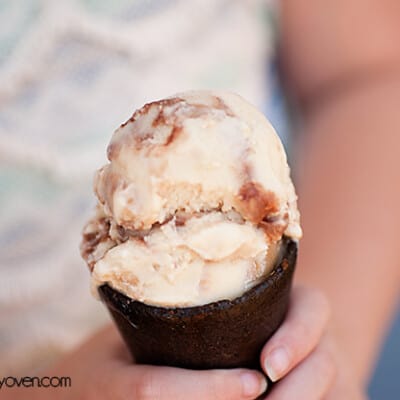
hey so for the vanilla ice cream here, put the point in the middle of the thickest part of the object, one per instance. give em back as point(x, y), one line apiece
point(193, 204)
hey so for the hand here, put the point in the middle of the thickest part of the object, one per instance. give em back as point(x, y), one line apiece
point(102, 369)
point(302, 357)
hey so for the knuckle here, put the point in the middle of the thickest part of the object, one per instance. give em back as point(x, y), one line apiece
point(94, 388)
point(327, 365)
point(319, 298)
point(221, 386)
point(224, 385)
point(295, 341)
point(87, 392)
point(146, 388)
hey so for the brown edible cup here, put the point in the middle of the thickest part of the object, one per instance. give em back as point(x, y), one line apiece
point(223, 334)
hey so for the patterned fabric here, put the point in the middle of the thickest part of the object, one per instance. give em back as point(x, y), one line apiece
point(70, 73)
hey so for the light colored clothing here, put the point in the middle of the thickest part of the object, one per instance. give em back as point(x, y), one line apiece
point(70, 73)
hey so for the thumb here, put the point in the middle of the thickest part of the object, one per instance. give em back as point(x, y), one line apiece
point(144, 382)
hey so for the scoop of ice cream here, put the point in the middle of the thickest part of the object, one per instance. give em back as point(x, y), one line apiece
point(194, 201)
point(209, 257)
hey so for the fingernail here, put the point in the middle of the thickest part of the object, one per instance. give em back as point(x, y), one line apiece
point(276, 363)
point(252, 384)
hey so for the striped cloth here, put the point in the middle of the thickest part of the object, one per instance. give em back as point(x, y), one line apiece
point(70, 73)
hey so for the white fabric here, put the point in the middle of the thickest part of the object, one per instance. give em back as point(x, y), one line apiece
point(70, 73)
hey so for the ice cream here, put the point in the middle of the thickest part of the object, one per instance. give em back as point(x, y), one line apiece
point(193, 204)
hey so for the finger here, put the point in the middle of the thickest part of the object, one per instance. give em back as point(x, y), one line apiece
point(144, 382)
point(346, 385)
point(299, 334)
point(312, 379)
point(346, 390)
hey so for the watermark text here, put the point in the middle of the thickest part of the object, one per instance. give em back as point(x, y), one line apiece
point(35, 381)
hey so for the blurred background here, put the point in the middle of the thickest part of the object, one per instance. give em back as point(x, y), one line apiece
point(70, 73)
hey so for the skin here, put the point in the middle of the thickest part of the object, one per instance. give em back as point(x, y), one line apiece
point(341, 65)
point(347, 88)
point(102, 369)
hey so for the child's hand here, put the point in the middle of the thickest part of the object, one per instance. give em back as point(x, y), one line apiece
point(309, 367)
point(101, 369)
point(302, 356)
